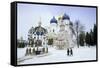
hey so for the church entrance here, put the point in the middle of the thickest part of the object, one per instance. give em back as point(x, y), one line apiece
point(38, 43)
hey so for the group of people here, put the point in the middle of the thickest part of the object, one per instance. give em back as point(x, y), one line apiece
point(69, 52)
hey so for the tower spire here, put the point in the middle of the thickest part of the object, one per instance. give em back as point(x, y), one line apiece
point(39, 22)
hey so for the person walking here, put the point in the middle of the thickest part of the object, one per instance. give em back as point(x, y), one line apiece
point(71, 52)
point(68, 52)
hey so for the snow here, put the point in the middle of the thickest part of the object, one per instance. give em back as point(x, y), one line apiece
point(54, 55)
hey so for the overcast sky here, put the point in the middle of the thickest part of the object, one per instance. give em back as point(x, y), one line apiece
point(28, 15)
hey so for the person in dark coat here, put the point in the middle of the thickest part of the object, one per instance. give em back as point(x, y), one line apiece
point(71, 52)
point(68, 52)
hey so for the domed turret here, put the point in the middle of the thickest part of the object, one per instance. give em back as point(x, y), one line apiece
point(64, 17)
point(53, 20)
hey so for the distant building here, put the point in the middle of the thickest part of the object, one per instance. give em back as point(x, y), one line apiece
point(21, 43)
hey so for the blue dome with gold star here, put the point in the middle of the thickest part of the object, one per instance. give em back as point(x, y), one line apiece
point(53, 20)
point(65, 17)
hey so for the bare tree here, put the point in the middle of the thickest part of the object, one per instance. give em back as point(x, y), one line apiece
point(78, 28)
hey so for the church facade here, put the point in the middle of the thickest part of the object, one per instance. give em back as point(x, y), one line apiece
point(61, 32)
point(37, 43)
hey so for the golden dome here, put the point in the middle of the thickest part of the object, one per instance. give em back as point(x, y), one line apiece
point(60, 17)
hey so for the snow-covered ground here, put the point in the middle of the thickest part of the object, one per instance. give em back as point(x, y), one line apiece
point(54, 55)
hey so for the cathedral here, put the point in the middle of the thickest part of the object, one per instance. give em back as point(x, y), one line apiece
point(60, 31)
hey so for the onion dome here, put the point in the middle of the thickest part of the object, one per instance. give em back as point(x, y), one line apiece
point(53, 20)
point(60, 17)
point(65, 17)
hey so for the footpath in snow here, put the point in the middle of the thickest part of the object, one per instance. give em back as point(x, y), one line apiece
point(54, 55)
